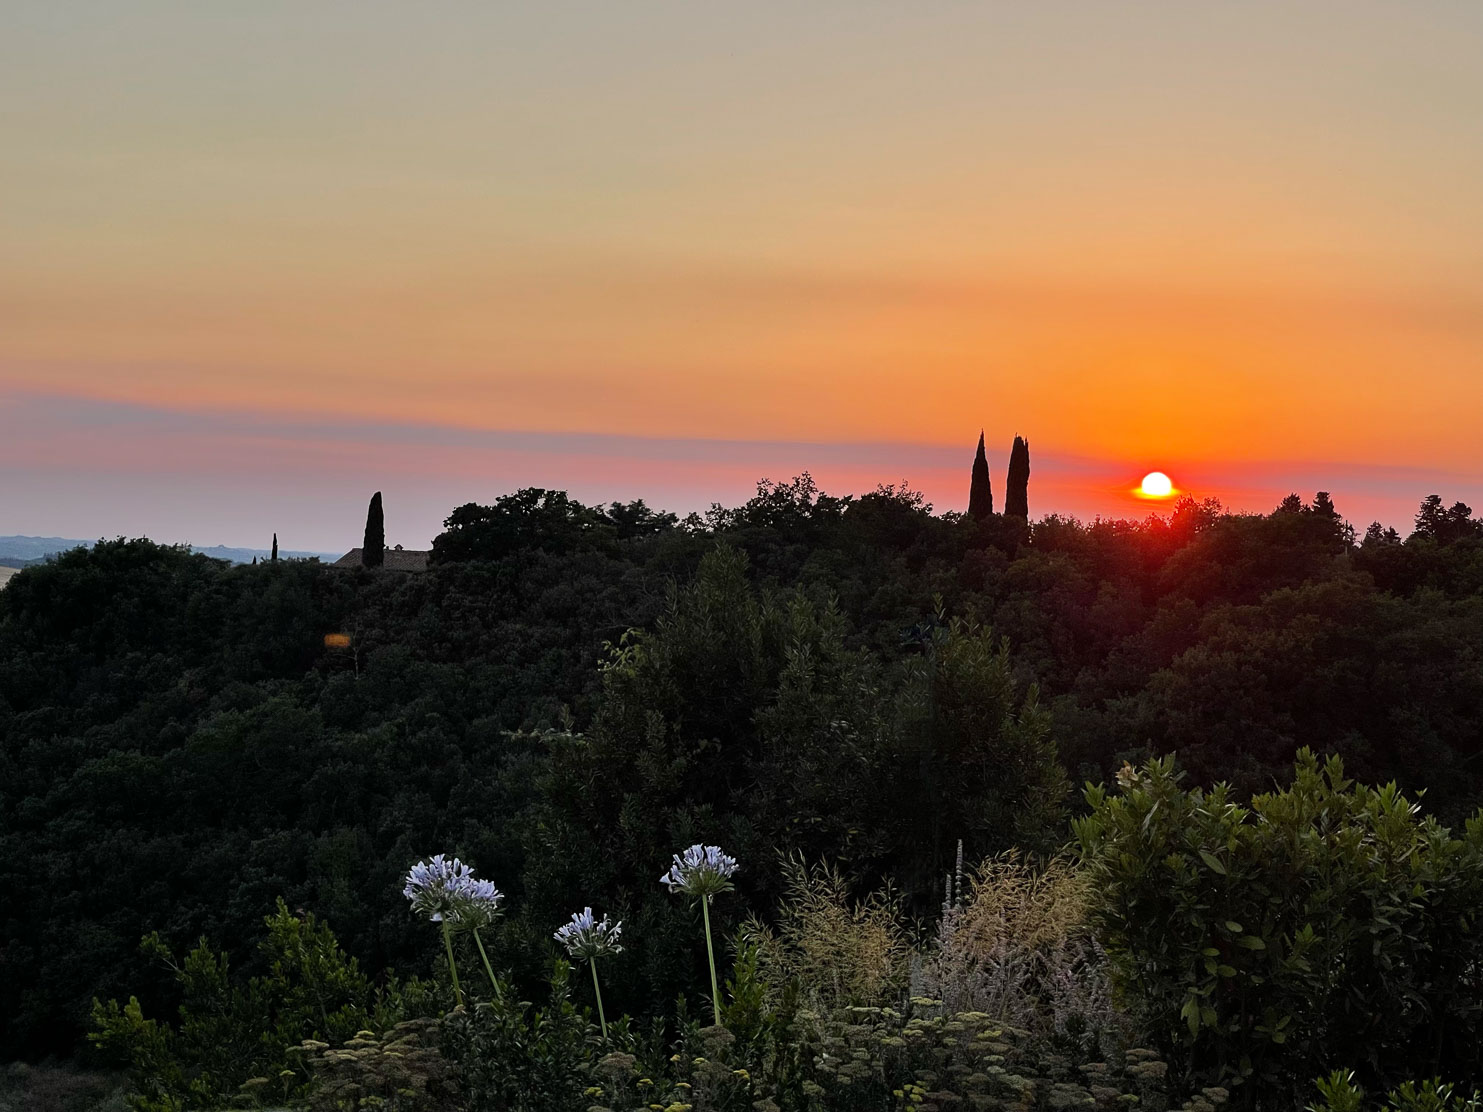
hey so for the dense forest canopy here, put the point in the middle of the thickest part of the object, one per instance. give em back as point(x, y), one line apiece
point(571, 691)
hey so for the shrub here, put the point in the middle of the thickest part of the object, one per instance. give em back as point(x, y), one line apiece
point(511, 1057)
point(233, 1033)
point(1339, 1093)
point(841, 952)
point(1017, 945)
point(1269, 941)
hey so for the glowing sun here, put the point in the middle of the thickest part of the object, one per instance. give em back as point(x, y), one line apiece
point(1156, 485)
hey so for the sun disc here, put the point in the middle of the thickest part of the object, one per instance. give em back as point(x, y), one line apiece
point(1156, 485)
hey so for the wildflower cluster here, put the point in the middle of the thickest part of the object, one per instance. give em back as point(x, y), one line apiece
point(703, 871)
point(446, 890)
point(586, 937)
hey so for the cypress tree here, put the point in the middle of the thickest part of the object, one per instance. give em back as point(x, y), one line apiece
point(373, 548)
point(1017, 489)
point(275, 548)
point(980, 491)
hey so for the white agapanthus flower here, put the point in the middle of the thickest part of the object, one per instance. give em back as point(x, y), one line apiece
point(702, 871)
point(586, 937)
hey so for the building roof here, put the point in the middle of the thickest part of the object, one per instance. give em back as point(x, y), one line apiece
point(397, 559)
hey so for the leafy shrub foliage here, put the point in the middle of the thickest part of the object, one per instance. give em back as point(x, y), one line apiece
point(1269, 941)
point(234, 1036)
point(512, 1057)
point(1339, 1093)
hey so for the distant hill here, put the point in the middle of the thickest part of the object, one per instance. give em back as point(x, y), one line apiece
point(18, 552)
point(21, 551)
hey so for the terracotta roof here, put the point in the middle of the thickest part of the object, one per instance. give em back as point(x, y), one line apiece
point(397, 559)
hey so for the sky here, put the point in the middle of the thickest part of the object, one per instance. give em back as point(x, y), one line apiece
point(260, 260)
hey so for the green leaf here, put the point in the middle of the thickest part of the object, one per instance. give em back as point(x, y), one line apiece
point(1251, 942)
point(1213, 861)
point(1234, 927)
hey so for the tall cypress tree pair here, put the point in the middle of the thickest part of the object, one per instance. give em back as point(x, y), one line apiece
point(1017, 488)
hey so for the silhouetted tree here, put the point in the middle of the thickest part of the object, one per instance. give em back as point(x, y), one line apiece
point(1292, 504)
point(373, 548)
point(1017, 489)
point(981, 490)
point(529, 520)
point(275, 548)
point(1378, 534)
point(1445, 525)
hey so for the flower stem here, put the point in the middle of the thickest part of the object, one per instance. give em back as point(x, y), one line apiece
point(493, 980)
point(601, 1018)
point(710, 951)
point(452, 967)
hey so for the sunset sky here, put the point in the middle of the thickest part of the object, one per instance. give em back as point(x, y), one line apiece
point(260, 260)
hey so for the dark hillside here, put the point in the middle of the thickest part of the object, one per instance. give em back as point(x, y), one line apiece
point(179, 744)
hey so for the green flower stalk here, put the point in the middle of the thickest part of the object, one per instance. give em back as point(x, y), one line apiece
point(703, 872)
point(452, 965)
point(493, 980)
point(586, 937)
point(478, 907)
point(447, 892)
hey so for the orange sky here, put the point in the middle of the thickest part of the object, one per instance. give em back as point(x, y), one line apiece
point(1241, 243)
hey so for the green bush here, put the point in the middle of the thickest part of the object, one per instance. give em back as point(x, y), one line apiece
point(1269, 941)
point(512, 1057)
point(1339, 1093)
point(232, 1042)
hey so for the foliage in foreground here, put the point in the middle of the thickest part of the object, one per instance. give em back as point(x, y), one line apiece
point(1325, 923)
point(1355, 938)
point(784, 1058)
point(1338, 1092)
point(236, 1032)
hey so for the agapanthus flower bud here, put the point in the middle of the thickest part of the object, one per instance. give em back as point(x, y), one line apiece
point(586, 937)
point(703, 871)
